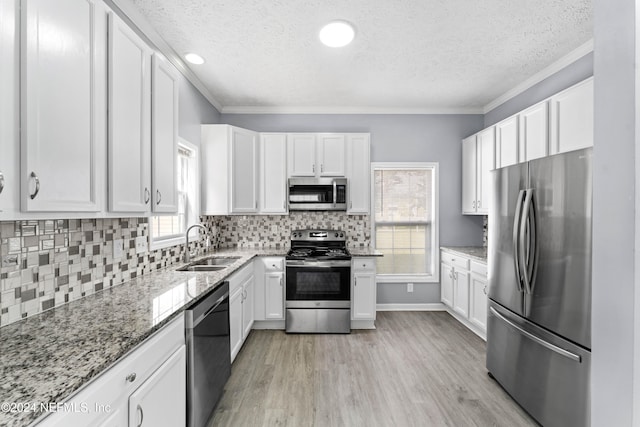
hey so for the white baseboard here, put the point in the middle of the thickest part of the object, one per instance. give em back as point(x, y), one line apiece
point(411, 307)
point(268, 324)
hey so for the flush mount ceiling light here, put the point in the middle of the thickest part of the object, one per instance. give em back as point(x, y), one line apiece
point(194, 58)
point(337, 34)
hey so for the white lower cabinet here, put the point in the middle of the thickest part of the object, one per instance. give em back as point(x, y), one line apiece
point(363, 292)
point(149, 385)
point(269, 292)
point(241, 307)
point(463, 290)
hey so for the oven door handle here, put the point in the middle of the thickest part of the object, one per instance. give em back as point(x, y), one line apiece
point(316, 264)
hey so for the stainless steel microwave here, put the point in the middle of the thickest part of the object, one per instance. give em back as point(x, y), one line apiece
point(317, 194)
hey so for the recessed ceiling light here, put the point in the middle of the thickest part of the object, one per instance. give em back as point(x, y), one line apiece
point(337, 34)
point(194, 58)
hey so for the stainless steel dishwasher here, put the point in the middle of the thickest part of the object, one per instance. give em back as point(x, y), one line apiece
point(208, 354)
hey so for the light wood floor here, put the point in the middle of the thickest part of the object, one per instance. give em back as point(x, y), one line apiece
point(415, 369)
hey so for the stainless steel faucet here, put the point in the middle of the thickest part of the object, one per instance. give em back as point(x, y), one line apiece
point(187, 252)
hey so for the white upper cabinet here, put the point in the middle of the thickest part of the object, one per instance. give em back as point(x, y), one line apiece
point(358, 173)
point(244, 171)
point(129, 119)
point(486, 163)
point(331, 154)
point(229, 170)
point(534, 132)
point(507, 142)
point(316, 154)
point(302, 154)
point(273, 173)
point(63, 105)
point(469, 168)
point(478, 159)
point(164, 136)
point(572, 118)
point(9, 111)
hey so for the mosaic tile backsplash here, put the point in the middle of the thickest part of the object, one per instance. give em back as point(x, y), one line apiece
point(47, 263)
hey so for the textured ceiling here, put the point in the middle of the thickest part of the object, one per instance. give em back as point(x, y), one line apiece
point(407, 54)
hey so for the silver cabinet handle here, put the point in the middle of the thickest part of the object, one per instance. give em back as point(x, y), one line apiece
point(355, 281)
point(256, 205)
point(131, 377)
point(321, 168)
point(37, 190)
point(478, 204)
point(1, 182)
point(159, 196)
point(141, 415)
point(351, 204)
point(484, 289)
point(313, 168)
point(473, 204)
point(147, 195)
point(280, 281)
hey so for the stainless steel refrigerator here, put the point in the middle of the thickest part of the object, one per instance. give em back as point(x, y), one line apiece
point(539, 321)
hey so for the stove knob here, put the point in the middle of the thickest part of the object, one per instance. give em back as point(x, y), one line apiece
point(336, 234)
point(341, 235)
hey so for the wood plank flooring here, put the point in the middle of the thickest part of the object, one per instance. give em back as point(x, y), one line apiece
point(415, 369)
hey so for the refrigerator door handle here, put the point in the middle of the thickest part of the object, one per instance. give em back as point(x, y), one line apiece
point(528, 247)
point(517, 217)
point(554, 348)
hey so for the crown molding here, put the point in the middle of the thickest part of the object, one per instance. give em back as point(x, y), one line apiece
point(129, 12)
point(561, 63)
point(346, 110)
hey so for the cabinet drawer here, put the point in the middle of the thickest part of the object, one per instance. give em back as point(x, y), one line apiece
point(273, 263)
point(479, 268)
point(363, 264)
point(455, 260)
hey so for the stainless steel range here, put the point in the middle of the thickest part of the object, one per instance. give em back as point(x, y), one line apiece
point(318, 282)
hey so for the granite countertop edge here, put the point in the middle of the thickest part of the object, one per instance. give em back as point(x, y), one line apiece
point(478, 253)
point(39, 357)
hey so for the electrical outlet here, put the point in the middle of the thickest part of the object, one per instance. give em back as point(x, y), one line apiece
point(409, 287)
point(118, 249)
point(141, 244)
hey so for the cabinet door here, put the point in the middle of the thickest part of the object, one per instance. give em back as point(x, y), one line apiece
point(534, 132)
point(331, 154)
point(164, 136)
point(358, 173)
point(507, 142)
point(363, 296)
point(244, 171)
point(301, 149)
point(572, 118)
point(274, 296)
point(478, 307)
point(129, 119)
point(446, 284)
point(235, 321)
point(9, 102)
point(461, 292)
point(273, 171)
point(63, 105)
point(469, 167)
point(161, 400)
point(486, 163)
point(247, 307)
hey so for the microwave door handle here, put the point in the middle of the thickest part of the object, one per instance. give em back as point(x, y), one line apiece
point(335, 193)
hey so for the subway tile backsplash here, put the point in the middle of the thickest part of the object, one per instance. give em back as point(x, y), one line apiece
point(47, 263)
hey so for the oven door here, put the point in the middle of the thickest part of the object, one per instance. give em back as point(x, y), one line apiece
point(322, 284)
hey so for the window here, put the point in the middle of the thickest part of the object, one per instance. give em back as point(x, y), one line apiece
point(405, 226)
point(168, 230)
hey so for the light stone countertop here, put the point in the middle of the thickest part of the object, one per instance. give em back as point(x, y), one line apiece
point(478, 253)
point(47, 357)
point(364, 252)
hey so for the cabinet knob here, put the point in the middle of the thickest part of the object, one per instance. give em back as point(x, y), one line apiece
point(131, 377)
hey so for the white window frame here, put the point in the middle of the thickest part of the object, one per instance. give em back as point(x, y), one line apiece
point(435, 239)
point(162, 243)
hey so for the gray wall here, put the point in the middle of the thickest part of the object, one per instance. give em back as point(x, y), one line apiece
point(568, 76)
point(615, 194)
point(399, 138)
point(193, 110)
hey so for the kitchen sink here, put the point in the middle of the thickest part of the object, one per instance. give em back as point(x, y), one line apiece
point(200, 267)
point(214, 263)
